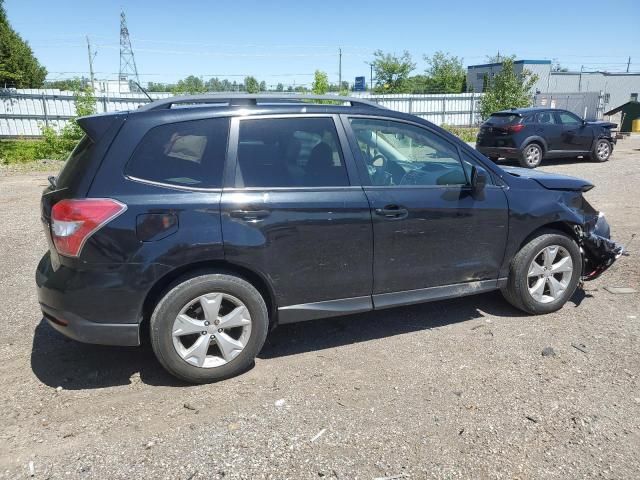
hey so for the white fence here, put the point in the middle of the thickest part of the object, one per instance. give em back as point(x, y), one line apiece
point(24, 112)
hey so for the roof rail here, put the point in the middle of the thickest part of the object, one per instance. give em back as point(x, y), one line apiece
point(247, 99)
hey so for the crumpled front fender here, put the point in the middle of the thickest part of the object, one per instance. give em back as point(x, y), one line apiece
point(599, 251)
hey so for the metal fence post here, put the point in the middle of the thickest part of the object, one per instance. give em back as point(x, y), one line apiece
point(444, 111)
point(410, 104)
point(44, 110)
point(472, 109)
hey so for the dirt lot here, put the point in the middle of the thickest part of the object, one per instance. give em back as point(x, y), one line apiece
point(453, 389)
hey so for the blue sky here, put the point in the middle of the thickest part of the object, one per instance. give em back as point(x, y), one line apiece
point(286, 41)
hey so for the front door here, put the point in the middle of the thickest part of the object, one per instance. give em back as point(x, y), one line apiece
point(289, 212)
point(430, 229)
point(576, 136)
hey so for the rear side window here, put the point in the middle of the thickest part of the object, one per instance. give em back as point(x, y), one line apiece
point(503, 119)
point(190, 154)
point(76, 162)
point(290, 152)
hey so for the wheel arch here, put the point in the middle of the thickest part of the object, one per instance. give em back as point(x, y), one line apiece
point(536, 139)
point(564, 226)
point(182, 273)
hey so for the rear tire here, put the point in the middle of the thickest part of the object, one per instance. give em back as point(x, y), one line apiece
point(544, 274)
point(531, 155)
point(209, 328)
point(601, 151)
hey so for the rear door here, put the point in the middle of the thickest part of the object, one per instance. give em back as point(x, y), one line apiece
point(292, 209)
point(430, 229)
point(576, 136)
point(547, 127)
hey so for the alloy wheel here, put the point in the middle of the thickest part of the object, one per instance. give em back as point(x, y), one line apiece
point(211, 330)
point(533, 155)
point(602, 150)
point(550, 273)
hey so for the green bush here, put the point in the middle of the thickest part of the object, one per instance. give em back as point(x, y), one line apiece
point(18, 151)
point(466, 134)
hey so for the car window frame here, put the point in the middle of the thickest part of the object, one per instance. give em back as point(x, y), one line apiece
point(361, 164)
point(229, 182)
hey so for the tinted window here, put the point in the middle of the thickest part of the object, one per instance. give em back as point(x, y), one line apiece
point(401, 154)
point(545, 118)
point(189, 153)
point(503, 119)
point(567, 118)
point(76, 161)
point(289, 152)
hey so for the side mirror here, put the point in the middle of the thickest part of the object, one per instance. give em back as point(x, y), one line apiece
point(478, 179)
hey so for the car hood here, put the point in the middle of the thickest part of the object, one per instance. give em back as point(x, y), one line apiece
point(603, 124)
point(551, 181)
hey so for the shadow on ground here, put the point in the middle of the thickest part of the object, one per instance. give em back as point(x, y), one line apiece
point(546, 162)
point(58, 361)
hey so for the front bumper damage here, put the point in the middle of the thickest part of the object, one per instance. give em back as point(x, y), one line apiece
point(599, 252)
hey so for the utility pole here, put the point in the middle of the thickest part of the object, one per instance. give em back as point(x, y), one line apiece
point(628, 64)
point(91, 57)
point(339, 69)
point(371, 78)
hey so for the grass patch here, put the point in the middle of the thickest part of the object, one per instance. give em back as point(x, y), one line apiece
point(20, 151)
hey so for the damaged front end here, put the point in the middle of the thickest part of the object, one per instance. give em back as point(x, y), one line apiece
point(599, 252)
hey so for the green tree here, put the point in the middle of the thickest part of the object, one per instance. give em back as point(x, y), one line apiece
point(507, 89)
point(446, 73)
point(191, 84)
point(71, 84)
point(251, 85)
point(392, 71)
point(280, 87)
point(320, 84)
point(18, 66)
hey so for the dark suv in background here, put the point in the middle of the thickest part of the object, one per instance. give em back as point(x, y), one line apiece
point(206, 221)
point(530, 135)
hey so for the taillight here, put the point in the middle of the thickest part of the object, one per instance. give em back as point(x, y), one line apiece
point(74, 221)
point(515, 128)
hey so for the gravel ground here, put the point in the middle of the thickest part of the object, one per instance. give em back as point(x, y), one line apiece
point(452, 389)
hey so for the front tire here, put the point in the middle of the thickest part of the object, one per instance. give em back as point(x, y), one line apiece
point(544, 274)
point(209, 328)
point(531, 156)
point(601, 151)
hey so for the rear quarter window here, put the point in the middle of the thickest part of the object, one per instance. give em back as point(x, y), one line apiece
point(503, 119)
point(187, 154)
point(77, 162)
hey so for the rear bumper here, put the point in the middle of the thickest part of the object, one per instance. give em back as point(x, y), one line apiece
point(100, 304)
point(82, 330)
point(501, 152)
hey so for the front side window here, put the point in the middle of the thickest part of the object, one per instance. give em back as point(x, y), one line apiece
point(401, 154)
point(190, 154)
point(290, 152)
point(567, 118)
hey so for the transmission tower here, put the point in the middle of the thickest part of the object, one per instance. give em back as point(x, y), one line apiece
point(128, 69)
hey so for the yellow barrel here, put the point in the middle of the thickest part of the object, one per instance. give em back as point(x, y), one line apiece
point(635, 125)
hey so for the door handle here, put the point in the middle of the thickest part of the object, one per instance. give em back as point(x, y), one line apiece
point(250, 214)
point(392, 212)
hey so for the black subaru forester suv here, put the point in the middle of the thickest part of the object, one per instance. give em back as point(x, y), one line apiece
point(208, 220)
